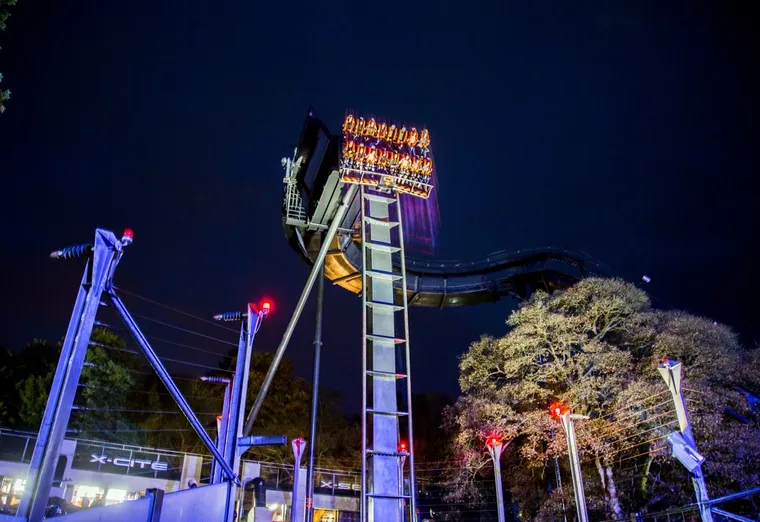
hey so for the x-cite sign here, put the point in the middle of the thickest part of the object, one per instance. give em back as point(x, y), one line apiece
point(340, 485)
point(129, 463)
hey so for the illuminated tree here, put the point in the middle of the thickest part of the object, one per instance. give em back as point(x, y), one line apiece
point(595, 348)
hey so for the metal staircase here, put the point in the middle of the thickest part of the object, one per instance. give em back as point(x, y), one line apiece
point(388, 483)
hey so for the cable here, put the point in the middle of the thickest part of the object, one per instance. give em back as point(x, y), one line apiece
point(126, 410)
point(160, 340)
point(168, 325)
point(655, 439)
point(168, 430)
point(176, 378)
point(639, 455)
point(630, 405)
point(631, 414)
point(630, 426)
point(661, 426)
point(148, 392)
point(218, 325)
point(181, 345)
point(169, 359)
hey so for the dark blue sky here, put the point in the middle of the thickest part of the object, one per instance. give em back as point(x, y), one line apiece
point(626, 131)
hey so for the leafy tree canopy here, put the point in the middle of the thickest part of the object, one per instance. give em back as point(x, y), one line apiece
point(595, 348)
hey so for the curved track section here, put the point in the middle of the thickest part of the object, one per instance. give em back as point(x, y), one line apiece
point(312, 193)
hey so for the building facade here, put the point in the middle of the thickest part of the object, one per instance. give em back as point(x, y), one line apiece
point(95, 473)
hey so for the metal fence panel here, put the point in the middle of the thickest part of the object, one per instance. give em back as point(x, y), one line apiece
point(202, 504)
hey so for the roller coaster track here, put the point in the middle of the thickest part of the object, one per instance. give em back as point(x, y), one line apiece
point(308, 204)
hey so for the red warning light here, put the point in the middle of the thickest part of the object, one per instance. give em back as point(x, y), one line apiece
point(493, 440)
point(557, 409)
point(266, 305)
point(127, 236)
point(402, 446)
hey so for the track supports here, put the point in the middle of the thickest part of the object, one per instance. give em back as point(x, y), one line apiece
point(316, 270)
point(104, 257)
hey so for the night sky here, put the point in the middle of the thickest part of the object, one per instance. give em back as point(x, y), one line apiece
point(624, 131)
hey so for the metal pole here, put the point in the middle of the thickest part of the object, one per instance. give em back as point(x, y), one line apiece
point(222, 425)
point(314, 399)
point(340, 212)
point(401, 464)
point(408, 365)
point(296, 511)
point(240, 382)
point(234, 430)
point(575, 463)
point(107, 252)
point(176, 394)
point(671, 372)
point(494, 449)
point(364, 505)
point(558, 478)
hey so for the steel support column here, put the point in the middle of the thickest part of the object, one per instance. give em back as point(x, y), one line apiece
point(106, 253)
point(312, 443)
point(239, 389)
point(567, 419)
point(340, 212)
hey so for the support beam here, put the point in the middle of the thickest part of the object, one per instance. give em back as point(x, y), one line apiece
point(314, 400)
point(106, 254)
point(316, 269)
point(176, 394)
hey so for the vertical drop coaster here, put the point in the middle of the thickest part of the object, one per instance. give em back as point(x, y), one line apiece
point(385, 161)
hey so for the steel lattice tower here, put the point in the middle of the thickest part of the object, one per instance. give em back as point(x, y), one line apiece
point(387, 483)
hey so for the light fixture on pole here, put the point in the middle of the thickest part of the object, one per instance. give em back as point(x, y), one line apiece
point(568, 425)
point(297, 511)
point(495, 446)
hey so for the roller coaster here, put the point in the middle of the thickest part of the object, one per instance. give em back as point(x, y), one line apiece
point(312, 193)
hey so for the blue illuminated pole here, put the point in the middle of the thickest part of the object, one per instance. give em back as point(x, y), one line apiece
point(222, 423)
point(250, 322)
point(106, 253)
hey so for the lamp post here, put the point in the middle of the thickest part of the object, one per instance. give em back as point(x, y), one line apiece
point(495, 446)
point(671, 372)
point(568, 425)
point(296, 510)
